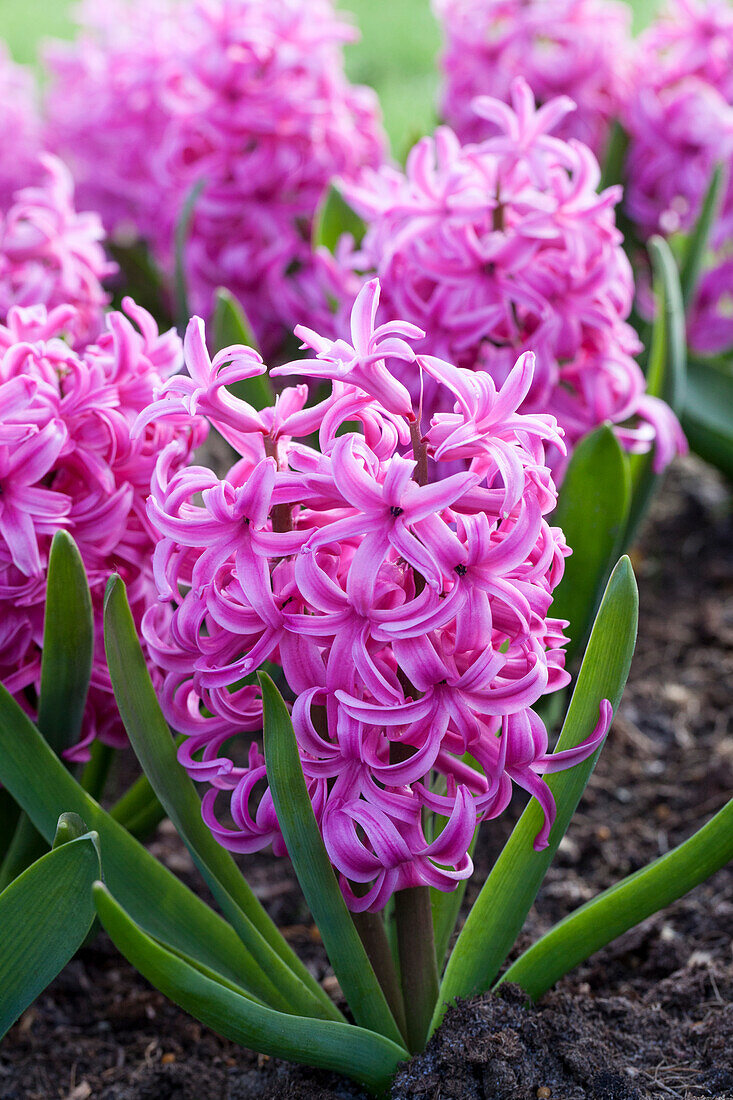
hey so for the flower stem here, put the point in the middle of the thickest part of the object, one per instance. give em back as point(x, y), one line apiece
point(417, 961)
point(370, 927)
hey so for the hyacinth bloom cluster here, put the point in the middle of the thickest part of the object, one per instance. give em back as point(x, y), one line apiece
point(248, 99)
point(407, 606)
point(21, 126)
point(68, 460)
point(506, 246)
point(680, 121)
point(51, 255)
point(579, 48)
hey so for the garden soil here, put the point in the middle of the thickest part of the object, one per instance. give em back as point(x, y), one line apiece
point(649, 1016)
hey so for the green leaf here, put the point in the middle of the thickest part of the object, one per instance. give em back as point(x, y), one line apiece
point(314, 871)
point(508, 893)
point(68, 827)
point(68, 646)
point(615, 158)
point(592, 509)
point(697, 243)
point(45, 915)
point(624, 905)
point(66, 666)
point(362, 1055)
point(708, 417)
point(183, 229)
point(157, 900)
point(280, 977)
point(333, 218)
point(446, 905)
point(232, 327)
point(666, 371)
point(668, 356)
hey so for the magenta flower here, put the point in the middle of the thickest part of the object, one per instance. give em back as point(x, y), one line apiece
point(68, 459)
point(501, 248)
point(250, 99)
point(21, 125)
point(680, 121)
point(51, 255)
point(405, 603)
point(578, 48)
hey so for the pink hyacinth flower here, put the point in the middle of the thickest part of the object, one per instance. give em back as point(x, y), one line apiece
point(405, 604)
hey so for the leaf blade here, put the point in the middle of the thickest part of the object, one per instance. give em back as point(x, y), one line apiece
point(624, 905)
point(334, 217)
point(68, 646)
point(45, 915)
point(279, 978)
point(366, 1057)
point(314, 871)
point(160, 903)
point(592, 510)
point(508, 893)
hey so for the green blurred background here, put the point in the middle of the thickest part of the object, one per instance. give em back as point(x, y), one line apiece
point(396, 54)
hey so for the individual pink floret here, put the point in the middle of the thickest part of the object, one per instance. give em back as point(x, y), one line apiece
point(68, 460)
point(248, 99)
point(21, 127)
point(506, 246)
point(405, 606)
point(579, 48)
point(680, 122)
point(51, 255)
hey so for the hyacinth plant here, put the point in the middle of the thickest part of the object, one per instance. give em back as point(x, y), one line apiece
point(578, 48)
point(503, 246)
point(397, 612)
point(667, 102)
point(229, 116)
point(69, 460)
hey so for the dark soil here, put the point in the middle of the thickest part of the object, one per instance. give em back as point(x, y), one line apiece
point(650, 1016)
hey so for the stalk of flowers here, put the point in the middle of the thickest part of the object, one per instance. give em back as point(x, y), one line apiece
point(21, 126)
point(680, 122)
point(407, 607)
point(248, 99)
point(52, 255)
point(579, 48)
point(505, 246)
point(68, 460)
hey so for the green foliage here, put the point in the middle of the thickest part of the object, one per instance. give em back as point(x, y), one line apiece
point(368, 1058)
point(625, 905)
point(231, 326)
point(334, 217)
point(45, 915)
point(315, 873)
point(708, 417)
point(666, 372)
point(500, 910)
point(275, 975)
point(592, 510)
point(695, 247)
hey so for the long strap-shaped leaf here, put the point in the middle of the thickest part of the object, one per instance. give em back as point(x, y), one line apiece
point(334, 217)
point(624, 905)
point(313, 868)
point(666, 370)
point(708, 415)
point(697, 242)
point(592, 510)
point(507, 895)
point(45, 915)
point(157, 900)
point(68, 646)
point(366, 1057)
point(66, 666)
point(155, 749)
